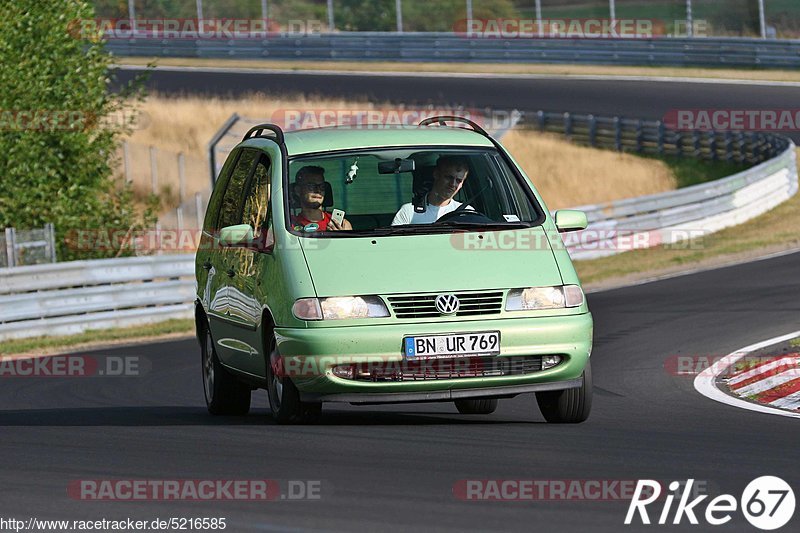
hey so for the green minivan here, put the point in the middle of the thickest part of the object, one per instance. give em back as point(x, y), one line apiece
point(384, 264)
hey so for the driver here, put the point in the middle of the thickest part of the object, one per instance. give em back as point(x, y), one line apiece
point(309, 189)
point(448, 178)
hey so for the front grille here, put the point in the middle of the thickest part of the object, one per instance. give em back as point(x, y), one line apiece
point(454, 368)
point(423, 306)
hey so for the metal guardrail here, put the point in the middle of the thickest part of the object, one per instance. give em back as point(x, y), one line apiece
point(67, 298)
point(71, 297)
point(443, 47)
point(690, 212)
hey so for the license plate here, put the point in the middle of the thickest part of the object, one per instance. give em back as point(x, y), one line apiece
point(454, 345)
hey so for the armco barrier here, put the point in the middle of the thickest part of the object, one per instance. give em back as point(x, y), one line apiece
point(67, 298)
point(450, 47)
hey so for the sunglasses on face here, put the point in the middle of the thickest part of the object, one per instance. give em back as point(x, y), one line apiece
point(313, 187)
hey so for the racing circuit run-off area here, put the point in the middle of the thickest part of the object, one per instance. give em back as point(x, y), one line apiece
point(354, 265)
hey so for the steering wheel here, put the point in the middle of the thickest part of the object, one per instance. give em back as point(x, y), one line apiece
point(465, 215)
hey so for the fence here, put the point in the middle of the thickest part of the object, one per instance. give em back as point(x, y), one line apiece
point(179, 181)
point(443, 47)
point(68, 298)
point(27, 247)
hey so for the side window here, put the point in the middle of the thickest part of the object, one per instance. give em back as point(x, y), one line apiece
point(231, 208)
point(212, 212)
point(256, 204)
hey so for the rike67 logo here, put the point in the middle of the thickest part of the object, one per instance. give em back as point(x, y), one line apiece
point(767, 503)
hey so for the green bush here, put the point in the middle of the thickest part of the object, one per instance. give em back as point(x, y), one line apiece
point(60, 172)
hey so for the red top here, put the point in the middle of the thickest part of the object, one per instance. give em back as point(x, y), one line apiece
point(302, 221)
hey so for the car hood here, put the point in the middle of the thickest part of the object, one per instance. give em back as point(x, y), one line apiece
point(431, 263)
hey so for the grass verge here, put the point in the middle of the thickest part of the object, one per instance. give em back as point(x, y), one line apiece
point(94, 338)
point(474, 68)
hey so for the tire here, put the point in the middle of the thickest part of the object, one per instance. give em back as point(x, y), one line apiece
point(225, 395)
point(284, 398)
point(483, 406)
point(568, 406)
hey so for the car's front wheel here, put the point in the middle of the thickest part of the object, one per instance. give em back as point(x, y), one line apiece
point(225, 395)
point(568, 406)
point(284, 398)
point(485, 406)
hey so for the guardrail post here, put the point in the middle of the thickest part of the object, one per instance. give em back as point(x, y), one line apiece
point(592, 131)
point(568, 126)
point(661, 132)
point(50, 239)
point(618, 134)
point(728, 146)
point(712, 146)
point(541, 120)
point(639, 136)
point(11, 246)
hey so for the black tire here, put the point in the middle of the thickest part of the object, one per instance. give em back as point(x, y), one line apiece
point(482, 406)
point(284, 398)
point(225, 395)
point(568, 406)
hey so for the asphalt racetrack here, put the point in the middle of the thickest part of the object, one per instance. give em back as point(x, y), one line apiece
point(635, 99)
point(394, 468)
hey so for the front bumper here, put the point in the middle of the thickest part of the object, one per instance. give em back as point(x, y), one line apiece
point(309, 355)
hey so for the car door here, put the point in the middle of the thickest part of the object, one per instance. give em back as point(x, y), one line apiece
point(223, 261)
point(243, 294)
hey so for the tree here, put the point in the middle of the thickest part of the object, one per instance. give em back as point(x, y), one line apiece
point(60, 126)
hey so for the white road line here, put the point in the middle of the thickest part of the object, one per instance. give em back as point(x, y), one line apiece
point(705, 382)
point(766, 384)
point(788, 402)
point(744, 376)
point(470, 75)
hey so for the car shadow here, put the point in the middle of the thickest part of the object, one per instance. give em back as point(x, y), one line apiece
point(198, 416)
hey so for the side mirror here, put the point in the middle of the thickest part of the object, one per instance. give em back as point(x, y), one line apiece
point(235, 235)
point(570, 220)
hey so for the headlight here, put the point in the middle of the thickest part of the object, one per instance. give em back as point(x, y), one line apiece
point(544, 298)
point(340, 308)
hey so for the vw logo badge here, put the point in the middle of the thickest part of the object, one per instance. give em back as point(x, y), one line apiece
point(447, 304)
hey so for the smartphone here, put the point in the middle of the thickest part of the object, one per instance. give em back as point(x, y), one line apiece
point(338, 216)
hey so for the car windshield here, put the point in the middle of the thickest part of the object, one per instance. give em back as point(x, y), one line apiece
point(398, 191)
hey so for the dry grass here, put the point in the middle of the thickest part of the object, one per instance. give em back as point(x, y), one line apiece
point(477, 68)
point(567, 175)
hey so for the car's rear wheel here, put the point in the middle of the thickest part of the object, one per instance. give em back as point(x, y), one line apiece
point(568, 406)
point(483, 406)
point(225, 395)
point(284, 398)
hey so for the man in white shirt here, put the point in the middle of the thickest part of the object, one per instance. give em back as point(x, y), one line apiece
point(448, 178)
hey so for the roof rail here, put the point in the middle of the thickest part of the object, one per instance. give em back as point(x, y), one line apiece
point(443, 119)
point(256, 133)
